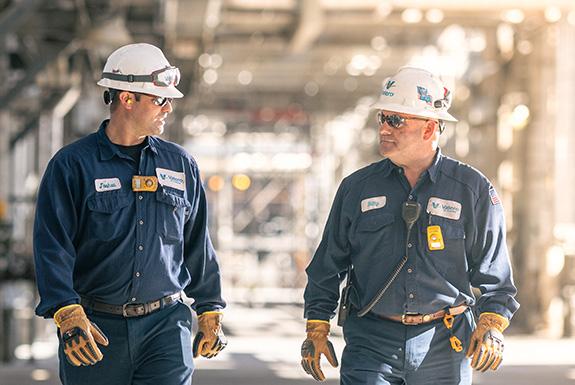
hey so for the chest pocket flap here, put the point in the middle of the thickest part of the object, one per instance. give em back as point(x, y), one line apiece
point(369, 223)
point(108, 204)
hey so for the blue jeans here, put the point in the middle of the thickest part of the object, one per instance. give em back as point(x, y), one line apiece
point(382, 352)
point(149, 350)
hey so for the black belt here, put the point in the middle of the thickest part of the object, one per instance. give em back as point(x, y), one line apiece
point(130, 309)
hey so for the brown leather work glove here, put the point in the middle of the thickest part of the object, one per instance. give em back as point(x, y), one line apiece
point(314, 346)
point(486, 345)
point(210, 339)
point(79, 336)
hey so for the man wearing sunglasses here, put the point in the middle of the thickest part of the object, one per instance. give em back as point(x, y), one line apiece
point(414, 233)
point(121, 230)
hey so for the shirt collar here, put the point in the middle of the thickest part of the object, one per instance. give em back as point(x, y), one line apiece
point(108, 150)
point(433, 170)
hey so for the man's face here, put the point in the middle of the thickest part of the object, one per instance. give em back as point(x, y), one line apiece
point(150, 116)
point(400, 135)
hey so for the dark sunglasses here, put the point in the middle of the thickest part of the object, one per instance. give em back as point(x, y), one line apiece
point(394, 121)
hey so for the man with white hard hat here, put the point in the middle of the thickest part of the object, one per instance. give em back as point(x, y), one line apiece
point(413, 233)
point(121, 230)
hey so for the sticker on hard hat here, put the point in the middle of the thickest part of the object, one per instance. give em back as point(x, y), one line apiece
point(388, 85)
point(424, 94)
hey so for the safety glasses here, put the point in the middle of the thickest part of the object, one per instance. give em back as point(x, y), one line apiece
point(161, 101)
point(393, 120)
point(164, 77)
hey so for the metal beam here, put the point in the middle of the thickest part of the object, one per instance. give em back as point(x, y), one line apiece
point(310, 26)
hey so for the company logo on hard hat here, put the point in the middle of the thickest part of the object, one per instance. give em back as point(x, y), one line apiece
point(424, 94)
point(388, 85)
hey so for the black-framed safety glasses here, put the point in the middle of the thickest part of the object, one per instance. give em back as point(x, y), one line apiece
point(165, 77)
point(394, 120)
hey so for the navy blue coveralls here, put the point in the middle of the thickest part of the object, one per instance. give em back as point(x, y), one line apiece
point(94, 237)
point(365, 228)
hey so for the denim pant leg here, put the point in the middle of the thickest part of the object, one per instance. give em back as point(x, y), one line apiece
point(164, 347)
point(116, 366)
point(430, 359)
point(374, 352)
point(381, 352)
point(150, 350)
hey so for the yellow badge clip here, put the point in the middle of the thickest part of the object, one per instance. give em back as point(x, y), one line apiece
point(435, 238)
point(144, 183)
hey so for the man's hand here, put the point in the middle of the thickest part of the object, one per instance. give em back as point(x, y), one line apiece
point(486, 345)
point(79, 336)
point(314, 346)
point(210, 339)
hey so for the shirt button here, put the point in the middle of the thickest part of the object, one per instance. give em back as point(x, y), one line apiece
point(140, 197)
point(137, 273)
point(134, 299)
point(140, 247)
point(141, 222)
point(409, 245)
point(410, 270)
point(411, 295)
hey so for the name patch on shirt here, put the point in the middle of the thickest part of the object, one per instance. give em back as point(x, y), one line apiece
point(373, 203)
point(107, 184)
point(171, 178)
point(444, 208)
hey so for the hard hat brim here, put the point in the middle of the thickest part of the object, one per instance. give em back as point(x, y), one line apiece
point(433, 114)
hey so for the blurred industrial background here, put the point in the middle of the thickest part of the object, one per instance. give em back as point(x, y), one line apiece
point(276, 112)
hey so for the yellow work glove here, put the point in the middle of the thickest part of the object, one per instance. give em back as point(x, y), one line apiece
point(486, 345)
point(314, 346)
point(79, 336)
point(210, 339)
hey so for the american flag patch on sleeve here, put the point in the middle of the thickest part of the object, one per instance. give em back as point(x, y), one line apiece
point(493, 195)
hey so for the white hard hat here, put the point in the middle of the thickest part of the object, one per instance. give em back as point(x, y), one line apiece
point(141, 68)
point(416, 91)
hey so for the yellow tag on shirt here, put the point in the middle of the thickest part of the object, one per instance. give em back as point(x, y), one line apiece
point(435, 238)
point(144, 183)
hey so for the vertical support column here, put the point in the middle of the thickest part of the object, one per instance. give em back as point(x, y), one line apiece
point(534, 203)
point(4, 163)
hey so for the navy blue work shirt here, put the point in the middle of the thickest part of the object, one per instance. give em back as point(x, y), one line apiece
point(365, 228)
point(95, 237)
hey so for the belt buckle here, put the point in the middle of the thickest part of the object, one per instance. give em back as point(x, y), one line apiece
point(139, 310)
point(404, 319)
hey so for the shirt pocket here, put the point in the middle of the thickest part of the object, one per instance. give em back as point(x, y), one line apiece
point(452, 258)
point(375, 234)
point(107, 217)
point(172, 211)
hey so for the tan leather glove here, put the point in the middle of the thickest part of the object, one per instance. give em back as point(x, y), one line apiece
point(486, 345)
point(79, 336)
point(210, 339)
point(314, 346)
